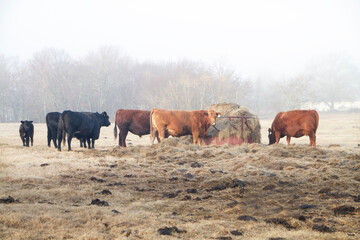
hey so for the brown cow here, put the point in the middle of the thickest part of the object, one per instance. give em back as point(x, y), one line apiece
point(135, 121)
point(296, 123)
point(179, 123)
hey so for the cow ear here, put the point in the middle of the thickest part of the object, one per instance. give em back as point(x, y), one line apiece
point(104, 114)
point(269, 130)
point(22, 121)
point(30, 121)
point(218, 114)
point(206, 113)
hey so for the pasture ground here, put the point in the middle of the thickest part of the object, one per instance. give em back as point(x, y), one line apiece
point(253, 191)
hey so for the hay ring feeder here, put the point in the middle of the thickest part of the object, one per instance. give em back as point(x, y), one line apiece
point(235, 126)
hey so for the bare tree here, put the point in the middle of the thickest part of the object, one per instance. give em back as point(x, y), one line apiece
point(291, 94)
point(334, 78)
point(190, 85)
point(5, 89)
point(107, 80)
point(52, 79)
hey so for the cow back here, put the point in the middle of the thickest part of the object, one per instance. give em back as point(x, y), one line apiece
point(180, 123)
point(296, 123)
point(135, 121)
point(52, 119)
point(77, 122)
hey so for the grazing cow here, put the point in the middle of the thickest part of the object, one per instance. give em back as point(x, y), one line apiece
point(84, 124)
point(296, 123)
point(179, 123)
point(135, 121)
point(26, 131)
point(52, 119)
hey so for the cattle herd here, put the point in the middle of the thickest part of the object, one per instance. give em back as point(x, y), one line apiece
point(160, 124)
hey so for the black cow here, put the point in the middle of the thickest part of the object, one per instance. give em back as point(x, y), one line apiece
point(84, 124)
point(52, 119)
point(26, 131)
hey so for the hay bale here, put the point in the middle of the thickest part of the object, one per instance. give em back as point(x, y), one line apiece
point(229, 128)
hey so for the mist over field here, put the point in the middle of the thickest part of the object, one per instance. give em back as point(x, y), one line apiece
point(106, 80)
point(102, 56)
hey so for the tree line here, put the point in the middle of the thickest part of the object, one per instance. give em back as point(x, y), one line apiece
point(107, 80)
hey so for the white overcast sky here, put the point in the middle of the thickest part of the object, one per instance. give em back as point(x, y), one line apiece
point(254, 37)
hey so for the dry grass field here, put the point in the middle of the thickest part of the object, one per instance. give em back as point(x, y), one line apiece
point(253, 191)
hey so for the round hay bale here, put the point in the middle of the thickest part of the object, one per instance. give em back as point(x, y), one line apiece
point(229, 129)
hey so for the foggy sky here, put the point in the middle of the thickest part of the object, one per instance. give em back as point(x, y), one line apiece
point(255, 37)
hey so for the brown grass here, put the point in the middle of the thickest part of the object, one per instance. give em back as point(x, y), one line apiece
point(149, 187)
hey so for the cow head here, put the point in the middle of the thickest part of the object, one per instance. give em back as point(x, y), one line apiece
point(212, 116)
point(272, 138)
point(105, 121)
point(26, 124)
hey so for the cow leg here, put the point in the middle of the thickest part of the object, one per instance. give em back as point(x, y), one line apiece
point(312, 138)
point(196, 139)
point(60, 136)
point(54, 139)
point(157, 136)
point(70, 136)
point(27, 141)
point(92, 142)
point(152, 137)
point(277, 136)
point(122, 137)
point(154, 133)
point(162, 134)
point(288, 140)
point(59, 141)
point(32, 140)
point(49, 136)
point(23, 140)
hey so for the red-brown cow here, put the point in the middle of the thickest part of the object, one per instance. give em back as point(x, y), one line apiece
point(296, 123)
point(135, 121)
point(179, 123)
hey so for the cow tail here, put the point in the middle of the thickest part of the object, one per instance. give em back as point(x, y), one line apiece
point(64, 136)
point(152, 130)
point(60, 134)
point(316, 120)
point(115, 129)
point(63, 128)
